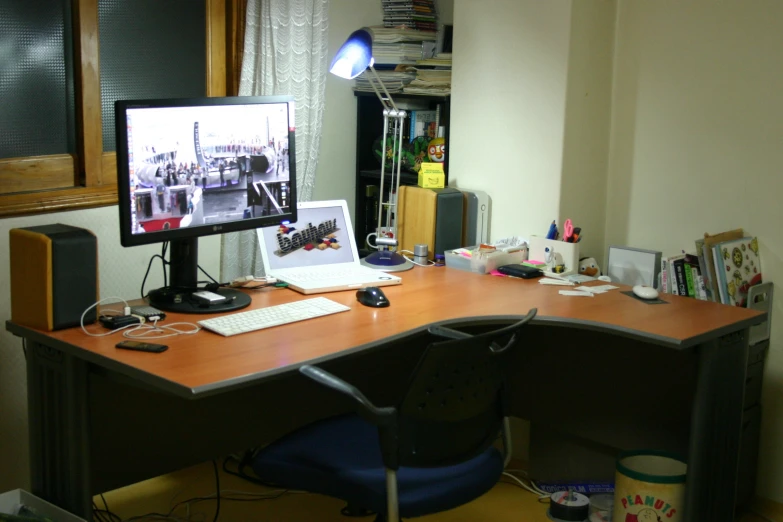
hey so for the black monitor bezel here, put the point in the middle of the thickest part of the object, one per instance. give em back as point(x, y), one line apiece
point(127, 237)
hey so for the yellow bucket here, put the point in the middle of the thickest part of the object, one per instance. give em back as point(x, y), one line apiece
point(649, 487)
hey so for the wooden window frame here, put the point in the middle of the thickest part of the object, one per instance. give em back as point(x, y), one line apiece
point(88, 178)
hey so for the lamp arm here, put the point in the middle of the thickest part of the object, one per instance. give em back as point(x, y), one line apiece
point(387, 103)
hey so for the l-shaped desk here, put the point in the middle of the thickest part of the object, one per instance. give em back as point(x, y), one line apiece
point(101, 418)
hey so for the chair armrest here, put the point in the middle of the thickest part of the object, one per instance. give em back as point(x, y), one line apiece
point(449, 333)
point(365, 408)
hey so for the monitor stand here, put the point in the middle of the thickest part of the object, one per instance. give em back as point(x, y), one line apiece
point(183, 277)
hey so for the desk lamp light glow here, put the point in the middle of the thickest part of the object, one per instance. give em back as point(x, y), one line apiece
point(353, 58)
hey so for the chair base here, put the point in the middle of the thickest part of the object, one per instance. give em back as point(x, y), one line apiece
point(352, 510)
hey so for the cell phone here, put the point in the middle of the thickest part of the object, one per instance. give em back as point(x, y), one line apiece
point(142, 347)
point(519, 270)
point(206, 297)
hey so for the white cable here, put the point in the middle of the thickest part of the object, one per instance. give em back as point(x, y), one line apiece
point(538, 493)
point(403, 252)
point(120, 299)
point(147, 331)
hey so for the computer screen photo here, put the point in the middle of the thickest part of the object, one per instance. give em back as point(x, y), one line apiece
point(194, 167)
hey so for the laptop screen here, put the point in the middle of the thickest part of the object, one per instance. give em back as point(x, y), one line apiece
point(319, 237)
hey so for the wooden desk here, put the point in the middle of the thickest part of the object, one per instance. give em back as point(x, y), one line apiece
point(101, 417)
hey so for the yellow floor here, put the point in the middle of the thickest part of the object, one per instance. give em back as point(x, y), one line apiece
point(504, 503)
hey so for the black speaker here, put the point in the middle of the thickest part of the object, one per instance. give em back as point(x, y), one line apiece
point(448, 219)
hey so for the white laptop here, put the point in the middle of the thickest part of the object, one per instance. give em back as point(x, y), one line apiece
point(318, 252)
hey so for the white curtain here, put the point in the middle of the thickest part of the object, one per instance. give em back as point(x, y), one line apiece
point(285, 53)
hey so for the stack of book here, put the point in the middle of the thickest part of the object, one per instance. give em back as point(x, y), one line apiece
point(433, 76)
point(394, 81)
point(722, 269)
point(416, 14)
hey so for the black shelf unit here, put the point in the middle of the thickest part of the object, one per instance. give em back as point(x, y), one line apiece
point(369, 127)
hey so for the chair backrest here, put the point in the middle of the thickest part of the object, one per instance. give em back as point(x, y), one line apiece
point(455, 402)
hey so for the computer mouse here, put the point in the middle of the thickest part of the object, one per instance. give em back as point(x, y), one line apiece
point(372, 296)
point(645, 292)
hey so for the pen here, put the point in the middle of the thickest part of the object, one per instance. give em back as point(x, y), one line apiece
point(552, 234)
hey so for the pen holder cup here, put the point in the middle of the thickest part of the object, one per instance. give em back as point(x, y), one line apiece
point(569, 251)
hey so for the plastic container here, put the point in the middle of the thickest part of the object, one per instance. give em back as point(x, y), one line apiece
point(10, 501)
point(649, 486)
point(484, 263)
point(569, 251)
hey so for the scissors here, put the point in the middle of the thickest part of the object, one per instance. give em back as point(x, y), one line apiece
point(568, 231)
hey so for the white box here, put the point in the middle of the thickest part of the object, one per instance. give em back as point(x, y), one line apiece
point(569, 251)
point(11, 499)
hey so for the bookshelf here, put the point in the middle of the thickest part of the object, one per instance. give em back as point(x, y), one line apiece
point(369, 127)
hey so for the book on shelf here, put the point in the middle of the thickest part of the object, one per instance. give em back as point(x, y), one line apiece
point(723, 269)
point(738, 266)
point(423, 123)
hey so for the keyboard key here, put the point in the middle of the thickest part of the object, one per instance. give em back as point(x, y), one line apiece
point(270, 316)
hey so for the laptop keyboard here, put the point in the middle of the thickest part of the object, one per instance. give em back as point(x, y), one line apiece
point(305, 276)
point(260, 318)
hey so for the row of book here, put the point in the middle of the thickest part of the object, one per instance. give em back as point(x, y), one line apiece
point(416, 14)
point(722, 269)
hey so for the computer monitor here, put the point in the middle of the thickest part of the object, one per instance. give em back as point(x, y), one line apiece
point(194, 167)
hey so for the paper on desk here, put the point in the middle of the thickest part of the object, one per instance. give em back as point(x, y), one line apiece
point(600, 289)
point(576, 293)
point(553, 281)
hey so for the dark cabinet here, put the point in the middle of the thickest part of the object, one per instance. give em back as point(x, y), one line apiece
point(369, 128)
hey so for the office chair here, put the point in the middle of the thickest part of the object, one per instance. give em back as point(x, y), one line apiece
point(431, 452)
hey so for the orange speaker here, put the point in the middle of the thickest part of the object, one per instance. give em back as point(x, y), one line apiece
point(54, 276)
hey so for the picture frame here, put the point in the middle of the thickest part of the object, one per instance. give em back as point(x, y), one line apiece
point(633, 266)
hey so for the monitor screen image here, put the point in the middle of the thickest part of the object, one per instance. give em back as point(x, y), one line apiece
point(194, 167)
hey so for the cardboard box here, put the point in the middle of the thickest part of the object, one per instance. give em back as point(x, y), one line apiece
point(431, 176)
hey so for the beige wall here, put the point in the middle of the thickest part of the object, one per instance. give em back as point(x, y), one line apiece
point(121, 272)
point(587, 119)
point(508, 96)
point(697, 146)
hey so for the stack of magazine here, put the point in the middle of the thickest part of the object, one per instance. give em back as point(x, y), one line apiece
point(415, 14)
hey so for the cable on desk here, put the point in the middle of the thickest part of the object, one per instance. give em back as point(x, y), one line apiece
point(217, 490)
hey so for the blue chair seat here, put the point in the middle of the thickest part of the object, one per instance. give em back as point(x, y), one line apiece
point(341, 457)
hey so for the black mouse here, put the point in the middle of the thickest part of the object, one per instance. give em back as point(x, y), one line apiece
point(372, 296)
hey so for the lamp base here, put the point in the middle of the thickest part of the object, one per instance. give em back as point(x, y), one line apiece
point(387, 261)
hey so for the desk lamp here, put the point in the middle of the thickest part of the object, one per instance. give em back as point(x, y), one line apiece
point(354, 57)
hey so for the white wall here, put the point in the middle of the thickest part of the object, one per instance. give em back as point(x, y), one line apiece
point(509, 82)
point(697, 146)
point(336, 174)
point(121, 271)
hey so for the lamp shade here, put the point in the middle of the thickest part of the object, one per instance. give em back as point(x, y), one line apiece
point(354, 56)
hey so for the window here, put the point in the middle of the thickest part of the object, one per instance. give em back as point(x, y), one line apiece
point(56, 148)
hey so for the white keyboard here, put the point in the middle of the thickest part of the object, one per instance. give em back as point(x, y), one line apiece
point(260, 318)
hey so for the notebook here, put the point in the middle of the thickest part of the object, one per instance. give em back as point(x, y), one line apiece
point(318, 253)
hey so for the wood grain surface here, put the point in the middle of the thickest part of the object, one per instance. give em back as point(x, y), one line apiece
point(427, 295)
